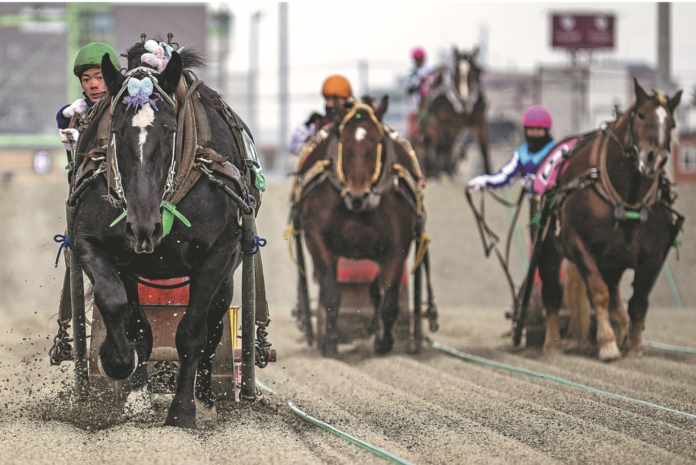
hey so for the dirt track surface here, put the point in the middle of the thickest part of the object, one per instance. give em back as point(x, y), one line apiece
point(425, 408)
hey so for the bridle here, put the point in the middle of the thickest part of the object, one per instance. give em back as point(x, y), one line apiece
point(111, 149)
point(354, 113)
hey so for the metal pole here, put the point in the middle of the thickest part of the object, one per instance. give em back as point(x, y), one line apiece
point(283, 85)
point(77, 296)
point(363, 77)
point(254, 71)
point(248, 309)
point(224, 19)
point(663, 47)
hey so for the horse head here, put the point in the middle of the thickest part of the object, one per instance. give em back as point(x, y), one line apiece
point(650, 123)
point(360, 151)
point(466, 73)
point(142, 140)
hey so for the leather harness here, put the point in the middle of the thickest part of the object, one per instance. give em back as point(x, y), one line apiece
point(193, 146)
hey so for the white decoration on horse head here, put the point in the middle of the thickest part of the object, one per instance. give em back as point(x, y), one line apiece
point(139, 92)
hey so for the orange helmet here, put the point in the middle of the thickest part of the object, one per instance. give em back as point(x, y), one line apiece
point(336, 86)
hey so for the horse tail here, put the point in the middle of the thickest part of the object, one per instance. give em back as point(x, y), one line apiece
point(577, 302)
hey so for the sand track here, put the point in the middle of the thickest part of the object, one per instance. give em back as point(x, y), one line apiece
point(425, 408)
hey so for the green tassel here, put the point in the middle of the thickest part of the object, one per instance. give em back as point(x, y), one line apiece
point(536, 220)
point(120, 217)
point(632, 215)
point(677, 243)
point(168, 215)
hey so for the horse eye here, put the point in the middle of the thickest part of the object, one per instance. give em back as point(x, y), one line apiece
point(641, 115)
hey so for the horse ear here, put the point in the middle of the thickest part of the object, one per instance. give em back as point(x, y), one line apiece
point(455, 53)
point(112, 77)
point(675, 99)
point(475, 53)
point(641, 95)
point(382, 109)
point(170, 77)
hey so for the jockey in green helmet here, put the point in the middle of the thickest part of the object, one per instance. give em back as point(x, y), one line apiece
point(87, 68)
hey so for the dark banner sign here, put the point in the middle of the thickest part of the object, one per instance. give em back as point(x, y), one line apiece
point(582, 31)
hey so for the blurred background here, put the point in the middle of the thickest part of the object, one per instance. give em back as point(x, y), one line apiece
point(269, 61)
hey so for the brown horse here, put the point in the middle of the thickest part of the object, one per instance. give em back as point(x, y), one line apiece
point(358, 193)
point(612, 212)
point(455, 102)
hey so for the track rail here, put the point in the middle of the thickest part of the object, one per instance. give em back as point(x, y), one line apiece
point(383, 454)
point(535, 374)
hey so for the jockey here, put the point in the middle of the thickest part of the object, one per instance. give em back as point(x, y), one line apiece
point(525, 161)
point(414, 85)
point(336, 91)
point(537, 122)
point(87, 68)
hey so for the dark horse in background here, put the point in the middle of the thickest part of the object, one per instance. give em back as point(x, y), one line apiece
point(455, 102)
point(114, 257)
point(620, 217)
point(360, 211)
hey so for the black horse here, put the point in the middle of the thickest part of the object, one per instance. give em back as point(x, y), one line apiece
point(114, 255)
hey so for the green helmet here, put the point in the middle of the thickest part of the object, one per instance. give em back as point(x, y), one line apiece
point(90, 56)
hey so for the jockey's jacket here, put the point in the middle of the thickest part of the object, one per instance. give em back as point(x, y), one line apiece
point(416, 77)
point(523, 163)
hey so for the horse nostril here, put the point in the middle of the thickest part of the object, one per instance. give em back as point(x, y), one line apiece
point(129, 229)
point(651, 156)
point(157, 232)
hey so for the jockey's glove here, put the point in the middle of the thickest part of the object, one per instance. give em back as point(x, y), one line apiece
point(79, 106)
point(69, 138)
point(477, 183)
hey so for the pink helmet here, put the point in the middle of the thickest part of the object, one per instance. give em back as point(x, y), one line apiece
point(537, 116)
point(418, 53)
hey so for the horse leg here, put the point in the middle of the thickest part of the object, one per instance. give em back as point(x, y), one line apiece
point(376, 297)
point(325, 264)
point(192, 331)
point(139, 332)
point(617, 313)
point(645, 276)
point(551, 294)
point(598, 293)
point(389, 310)
point(117, 356)
point(205, 398)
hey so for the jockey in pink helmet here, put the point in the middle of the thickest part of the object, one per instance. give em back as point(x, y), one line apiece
point(525, 161)
point(537, 122)
point(414, 85)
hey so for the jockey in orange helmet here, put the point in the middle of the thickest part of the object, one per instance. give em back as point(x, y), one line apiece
point(336, 91)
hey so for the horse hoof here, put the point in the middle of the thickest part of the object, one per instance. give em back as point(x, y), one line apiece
point(138, 405)
point(609, 351)
point(205, 412)
point(116, 376)
point(414, 347)
point(383, 346)
point(330, 351)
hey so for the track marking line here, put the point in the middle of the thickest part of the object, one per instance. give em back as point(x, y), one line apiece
point(504, 366)
point(345, 436)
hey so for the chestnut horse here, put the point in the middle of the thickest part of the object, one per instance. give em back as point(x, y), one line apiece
point(358, 193)
point(455, 102)
point(612, 211)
